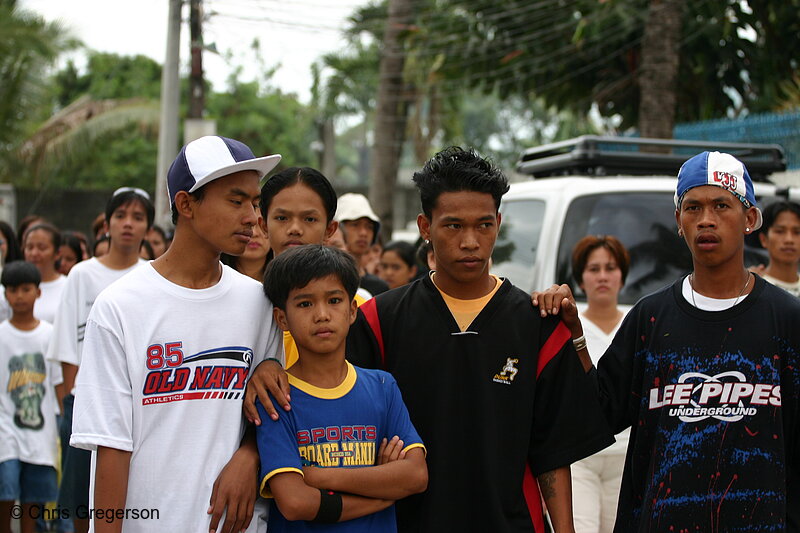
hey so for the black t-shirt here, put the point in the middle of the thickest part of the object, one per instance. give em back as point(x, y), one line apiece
point(496, 405)
point(712, 401)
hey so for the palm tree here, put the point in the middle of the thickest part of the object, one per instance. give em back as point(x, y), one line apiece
point(28, 45)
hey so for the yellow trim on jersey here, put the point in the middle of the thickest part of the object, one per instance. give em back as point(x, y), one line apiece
point(327, 394)
point(264, 489)
point(289, 346)
point(465, 311)
point(417, 445)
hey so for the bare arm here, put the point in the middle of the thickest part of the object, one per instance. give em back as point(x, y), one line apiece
point(69, 372)
point(556, 487)
point(268, 378)
point(298, 501)
point(234, 491)
point(110, 485)
point(392, 481)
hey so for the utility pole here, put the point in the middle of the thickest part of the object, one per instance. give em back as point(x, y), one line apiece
point(197, 89)
point(170, 103)
point(195, 126)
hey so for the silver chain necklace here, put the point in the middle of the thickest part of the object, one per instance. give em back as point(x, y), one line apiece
point(746, 283)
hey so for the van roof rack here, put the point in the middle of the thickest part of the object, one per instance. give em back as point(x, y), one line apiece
point(593, 155)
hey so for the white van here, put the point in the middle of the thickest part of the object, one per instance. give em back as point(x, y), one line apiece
point(608, 185)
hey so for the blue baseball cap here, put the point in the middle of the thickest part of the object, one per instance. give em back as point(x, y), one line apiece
point(208, 158)
point(720, 170)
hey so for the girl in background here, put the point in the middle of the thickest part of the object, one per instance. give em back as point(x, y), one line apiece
point(70, 252)
point(398, 264)
point(40, 245)
point(253, 261)
point(298, 205)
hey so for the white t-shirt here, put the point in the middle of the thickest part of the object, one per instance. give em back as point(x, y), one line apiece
point(5, 309)
point(47, 304)
point(705, 303)
point(791, 288)
point(85, 281)
point(163, 375)
point(28, 402)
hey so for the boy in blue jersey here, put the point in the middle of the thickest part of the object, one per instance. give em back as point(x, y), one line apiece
point(347, 450)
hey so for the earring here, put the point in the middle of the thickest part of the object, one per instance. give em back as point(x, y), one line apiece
point(680, 232)
point(427, 241)
point(747, 230)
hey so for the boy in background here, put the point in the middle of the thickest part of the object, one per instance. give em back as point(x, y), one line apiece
point(28, 405)
point(347, 449)
point(780, 236)
point(129, 214)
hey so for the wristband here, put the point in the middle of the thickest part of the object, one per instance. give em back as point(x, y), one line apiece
point(330, 507)
point(274, 359)
point(579, 343)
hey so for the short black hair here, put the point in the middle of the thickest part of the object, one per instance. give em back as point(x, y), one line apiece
point(455, 169)
point(299, 266)
point(771, 212)
point(310, 177)
point(126, 197)
point(198, 196)
point(404, 250)
point(18, 273)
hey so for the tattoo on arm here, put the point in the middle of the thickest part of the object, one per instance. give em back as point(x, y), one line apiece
point(547, 483)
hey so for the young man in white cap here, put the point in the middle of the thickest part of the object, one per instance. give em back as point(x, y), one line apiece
point(360, 226)
point(167, 352)
point(706, 373)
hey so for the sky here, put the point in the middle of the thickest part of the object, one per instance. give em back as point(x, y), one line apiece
point(292, 33)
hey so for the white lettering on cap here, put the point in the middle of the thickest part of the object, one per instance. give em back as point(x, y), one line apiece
point(727, 172)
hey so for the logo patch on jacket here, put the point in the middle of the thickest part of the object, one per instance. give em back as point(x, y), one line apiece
point(508, 373)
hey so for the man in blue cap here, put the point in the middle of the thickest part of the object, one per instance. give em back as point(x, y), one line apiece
point(706, 373)
point(167, 352)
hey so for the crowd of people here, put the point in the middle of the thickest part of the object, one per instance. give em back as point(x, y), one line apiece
point(272, 364)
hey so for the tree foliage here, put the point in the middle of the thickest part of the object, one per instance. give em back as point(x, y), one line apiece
point(574, 53)
point(268, 121)
point(28, 45)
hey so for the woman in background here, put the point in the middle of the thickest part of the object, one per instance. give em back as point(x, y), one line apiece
point(599, 266)
point(253, 261)
point(398, 264)
point(157, 238)
point(40, 245)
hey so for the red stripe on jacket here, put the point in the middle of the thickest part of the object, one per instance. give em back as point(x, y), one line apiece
point(370, 310)
point(552, 346)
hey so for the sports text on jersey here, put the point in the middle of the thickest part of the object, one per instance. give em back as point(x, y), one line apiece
point(727, 393)
point(335, 446)
point(174, 377)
